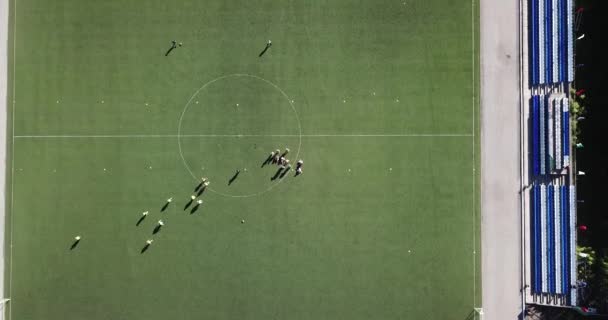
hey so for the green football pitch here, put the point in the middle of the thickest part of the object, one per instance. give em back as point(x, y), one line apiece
point(378, 98)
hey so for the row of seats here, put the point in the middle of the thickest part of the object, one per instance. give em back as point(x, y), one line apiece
point(551, 43)
point(550, 134)
point(552, 211)
point(553, 240)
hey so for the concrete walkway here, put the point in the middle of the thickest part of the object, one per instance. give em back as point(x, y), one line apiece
point(500, 159)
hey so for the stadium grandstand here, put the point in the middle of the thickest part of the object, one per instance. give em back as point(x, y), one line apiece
point(550, 199)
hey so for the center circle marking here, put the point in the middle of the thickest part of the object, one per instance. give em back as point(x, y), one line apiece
point(235, 75)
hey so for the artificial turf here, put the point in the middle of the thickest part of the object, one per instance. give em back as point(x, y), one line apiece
point(377, 98)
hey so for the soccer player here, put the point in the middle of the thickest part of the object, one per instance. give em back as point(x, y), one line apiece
point(270, 157)
point(145, 213)
point(268, 45)
point(161, 223)
point(199, 201)
point(149, 242)
point(173, 46)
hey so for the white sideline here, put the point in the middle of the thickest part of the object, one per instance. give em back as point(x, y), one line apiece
point(4, 21)
point(238, 135)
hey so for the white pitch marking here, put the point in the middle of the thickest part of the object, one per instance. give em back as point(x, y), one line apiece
point(10, 266)
point(242, 135)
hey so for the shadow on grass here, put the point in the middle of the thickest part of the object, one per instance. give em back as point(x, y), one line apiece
point(264, 51)
point(267, 161)
point(195, 208)
point(284, 173)
point(188, 204)
point(74, 244)
point(165, 206)
point(236, 174)
point(277, 174)
point(156, 229)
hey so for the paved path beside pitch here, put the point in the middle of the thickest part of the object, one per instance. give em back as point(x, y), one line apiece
point(500, 159)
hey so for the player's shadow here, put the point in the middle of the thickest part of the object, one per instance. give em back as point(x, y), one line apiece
point(188, 204)
point(470, 315)
point(267, 161)
point(277, 174)
point(283, 173)
point(234, 177)
point(169, 51)
point(200, 191)
point(264, 51)
point(198, 187)
point(157, 229)
point(74, 244)
point(195, 208)
point(165, 206)
point(140, 221)
point(145, 248)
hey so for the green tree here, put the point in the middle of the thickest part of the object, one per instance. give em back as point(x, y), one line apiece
point(577, 109)
point(601, 282)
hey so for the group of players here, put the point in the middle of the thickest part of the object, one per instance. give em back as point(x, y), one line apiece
point(278, 158)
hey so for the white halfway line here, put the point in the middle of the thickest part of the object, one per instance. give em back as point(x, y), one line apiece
point(237, 135)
